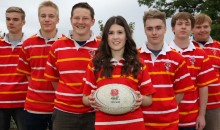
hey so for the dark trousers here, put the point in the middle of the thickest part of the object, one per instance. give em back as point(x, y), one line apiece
point(38, 121)
point(188, 128)
point(5, 118)
point(68, 121)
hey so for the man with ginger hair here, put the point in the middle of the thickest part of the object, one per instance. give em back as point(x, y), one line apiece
point(202, 38)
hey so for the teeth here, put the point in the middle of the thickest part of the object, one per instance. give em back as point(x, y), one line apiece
point(80, 27)
point(116, 42)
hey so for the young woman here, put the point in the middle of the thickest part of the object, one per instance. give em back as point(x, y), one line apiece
point(117, 62)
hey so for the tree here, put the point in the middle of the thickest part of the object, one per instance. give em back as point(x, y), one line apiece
point(209, 7)
point(101, 27)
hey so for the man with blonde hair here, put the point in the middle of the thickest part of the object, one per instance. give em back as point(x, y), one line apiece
point(39, 104)
point(13, 86)
point(202, 38)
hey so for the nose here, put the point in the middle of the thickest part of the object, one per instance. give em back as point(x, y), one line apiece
point(80, 20)
point(115, 35)
point(47, 18)
point(183, 26)
point(154, 31)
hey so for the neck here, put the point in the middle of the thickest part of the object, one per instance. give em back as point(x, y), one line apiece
point(81, 37)
point(155, 46)
point(117, 54)
point(182, 43)
point(15, 37)
point(48, 35)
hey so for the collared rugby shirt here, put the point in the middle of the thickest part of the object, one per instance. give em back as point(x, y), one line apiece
point(212, 49)
point(202, 74)
point(170, 76)
point(13, 85)
point(131, 120)
point(66, 64)
point(32, 62)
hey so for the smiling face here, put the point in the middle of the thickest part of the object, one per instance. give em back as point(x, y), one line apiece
point(48, 19)
point(82, 22)
point(202, 31)
point(117, 39)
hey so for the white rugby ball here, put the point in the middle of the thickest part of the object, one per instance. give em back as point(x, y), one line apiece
point(115, 98)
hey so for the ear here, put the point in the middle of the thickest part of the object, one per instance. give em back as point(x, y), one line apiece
point(24, 22)
point(58, 20)
point(173, 29)
point(93, 22)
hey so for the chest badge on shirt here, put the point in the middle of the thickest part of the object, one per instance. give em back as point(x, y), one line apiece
point(167, 66)
point(92, 53)
point(214, 52)
point(192, 60)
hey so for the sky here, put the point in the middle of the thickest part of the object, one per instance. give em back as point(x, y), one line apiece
point(104, 9)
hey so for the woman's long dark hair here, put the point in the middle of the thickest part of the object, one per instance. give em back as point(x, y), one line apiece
point(102, 59)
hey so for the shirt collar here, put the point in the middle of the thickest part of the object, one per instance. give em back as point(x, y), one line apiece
point(210, 41)
point(57, 36)
point(117, 62)
point(165, 49)
point(7, 40)
point(70, 35)
point(191, 47)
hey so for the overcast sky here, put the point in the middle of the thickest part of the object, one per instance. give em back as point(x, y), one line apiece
point(104, 9)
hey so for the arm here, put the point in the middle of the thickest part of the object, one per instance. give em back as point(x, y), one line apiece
point(28, 77)
point(55, 84)
point(147, 100)
point(179, 97)
point(203, 98)
point(86, 100)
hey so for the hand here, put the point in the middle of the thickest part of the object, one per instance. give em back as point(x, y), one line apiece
point(92, 101)
point(200, 123)
point(138, 101)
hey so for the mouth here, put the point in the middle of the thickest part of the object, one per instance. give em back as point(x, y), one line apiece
point(154, 38)
point(116, 43)
point(80, 27)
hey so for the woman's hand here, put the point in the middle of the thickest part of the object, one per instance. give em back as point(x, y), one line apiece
point(138, 102)
point(92, 101)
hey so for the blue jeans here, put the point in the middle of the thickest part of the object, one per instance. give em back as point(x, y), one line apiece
point(5, 118)
point(188, 128)
point(38, 121)
point(68, 121)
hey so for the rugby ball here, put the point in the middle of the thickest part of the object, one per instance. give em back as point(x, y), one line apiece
point(115, 98)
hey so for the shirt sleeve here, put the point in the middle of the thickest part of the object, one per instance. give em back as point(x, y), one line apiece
point(145, 87)
point(89, 80)
point(182, 79)
point(51, 72)
point(207, 73)
point(24, 60)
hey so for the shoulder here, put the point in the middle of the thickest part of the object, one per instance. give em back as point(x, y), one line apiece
point(216, 42)
point(30, 40)
point(174, 54)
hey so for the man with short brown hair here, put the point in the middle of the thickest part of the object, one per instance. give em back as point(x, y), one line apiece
point(13, 86)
